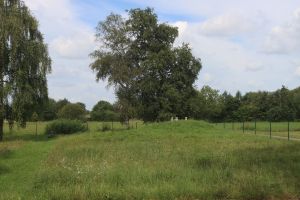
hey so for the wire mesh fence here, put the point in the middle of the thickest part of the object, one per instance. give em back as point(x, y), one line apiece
point(283, 130)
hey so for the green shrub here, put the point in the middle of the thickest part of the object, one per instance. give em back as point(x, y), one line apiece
point(106, 127)
point(65, 126)
point(104, 111)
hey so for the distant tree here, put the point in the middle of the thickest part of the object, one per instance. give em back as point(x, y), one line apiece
point(246, 113)
point(60, 104)
point(24, 62)
point(230, 106)
point(138, 58)
point(82, 105)
point(104, 111)
point(49, 111)
point(295, 97)
point(72, 111)
point(206, 105)
point(281, 105)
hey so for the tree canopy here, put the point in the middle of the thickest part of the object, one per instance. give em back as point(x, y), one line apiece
point(24, 62)
point(104, 111)
point(72, 111)
point(152, 78)
point(280, 105)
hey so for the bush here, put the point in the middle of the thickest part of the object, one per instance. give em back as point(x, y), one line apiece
point(106, 127)
point(65, 127)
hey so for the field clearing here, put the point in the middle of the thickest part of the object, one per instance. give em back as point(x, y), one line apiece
point(173, 160)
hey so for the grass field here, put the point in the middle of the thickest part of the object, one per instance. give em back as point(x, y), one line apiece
point(179, 160)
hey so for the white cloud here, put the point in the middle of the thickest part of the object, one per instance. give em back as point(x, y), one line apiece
point(66, 34)
point(181, 25)
point(297, 71)
point(254, 66)
point(207, 78)
point(284, 38)
point(218, 51)
point(227, 25)
point(77, 46)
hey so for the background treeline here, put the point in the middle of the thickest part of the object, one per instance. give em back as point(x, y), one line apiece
point(281, 105)
point(207, 104)
point(64, 109)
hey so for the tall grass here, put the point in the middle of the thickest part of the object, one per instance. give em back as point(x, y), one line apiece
point(179, 160)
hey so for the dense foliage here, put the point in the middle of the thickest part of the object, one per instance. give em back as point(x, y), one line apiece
point(53, 109)
point(152, 78)
point(24, 63)
point(281, 105)
point(65, 127)
point(72, 111)
point(104, 111)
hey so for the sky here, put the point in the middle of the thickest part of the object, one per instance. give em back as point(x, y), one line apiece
point(244, 45)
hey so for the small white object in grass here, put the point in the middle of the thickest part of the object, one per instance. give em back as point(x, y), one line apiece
point(172, 119)
point(176, 119)
point(186, 118)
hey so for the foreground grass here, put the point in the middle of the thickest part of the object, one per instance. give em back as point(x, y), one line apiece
point(179, 160)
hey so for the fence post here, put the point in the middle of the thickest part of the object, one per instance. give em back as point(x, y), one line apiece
point(255, 127)
point(243, 127)
point(288, 130)
point(270, 129)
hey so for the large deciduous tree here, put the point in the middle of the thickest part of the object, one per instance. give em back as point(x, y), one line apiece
point(24, 62)
point(138, 57)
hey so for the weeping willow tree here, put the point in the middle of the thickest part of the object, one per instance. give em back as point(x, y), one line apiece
point(24, 63)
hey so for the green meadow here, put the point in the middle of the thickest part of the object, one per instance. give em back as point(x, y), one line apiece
point(172, 160)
